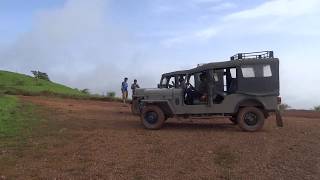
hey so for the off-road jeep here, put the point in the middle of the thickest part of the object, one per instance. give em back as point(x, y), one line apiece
point(245, 89)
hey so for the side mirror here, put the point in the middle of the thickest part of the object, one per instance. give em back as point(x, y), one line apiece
point(158, 85)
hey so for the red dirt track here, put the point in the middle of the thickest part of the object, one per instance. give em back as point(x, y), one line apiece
point(103, 140)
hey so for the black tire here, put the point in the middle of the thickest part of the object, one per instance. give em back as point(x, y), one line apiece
point(250, 119)
point(152, 117)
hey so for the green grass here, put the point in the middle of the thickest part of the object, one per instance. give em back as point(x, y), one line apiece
point(19, 123)
point(8, 122)
point(15, 118)
point(19, 84)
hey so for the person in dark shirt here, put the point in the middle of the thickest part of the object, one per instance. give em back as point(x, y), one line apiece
point(182, 83)
point(124, 90)
point(134, 86)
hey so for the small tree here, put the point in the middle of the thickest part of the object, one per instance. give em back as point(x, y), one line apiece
point(85, 91)
point(283, 107)
point(316, 108)
point(40, 75)
point(111, 94)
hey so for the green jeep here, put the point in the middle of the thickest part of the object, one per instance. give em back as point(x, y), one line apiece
point(245, 89)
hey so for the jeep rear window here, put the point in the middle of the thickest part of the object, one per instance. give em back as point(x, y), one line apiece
point(267, 71)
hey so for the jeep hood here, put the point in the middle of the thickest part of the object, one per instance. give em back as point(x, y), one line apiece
point(153, 92)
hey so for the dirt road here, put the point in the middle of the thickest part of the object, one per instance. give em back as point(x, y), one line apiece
point(102, 140)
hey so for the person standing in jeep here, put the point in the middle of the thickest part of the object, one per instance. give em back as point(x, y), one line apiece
point(124, 90)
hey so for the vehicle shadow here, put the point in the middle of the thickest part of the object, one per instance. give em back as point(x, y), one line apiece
point(179, 125)
point(200, 126)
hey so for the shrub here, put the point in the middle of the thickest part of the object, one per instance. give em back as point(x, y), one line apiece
point(111, 94)
point(316, 108)
point(85, 91)
point(40, 75)
point(283, 107)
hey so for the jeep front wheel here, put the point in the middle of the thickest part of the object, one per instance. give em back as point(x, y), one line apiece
point(250, 119)
point(152, 117)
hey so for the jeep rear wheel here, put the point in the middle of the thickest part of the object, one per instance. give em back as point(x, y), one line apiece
point(152, 117)
point(250, 119)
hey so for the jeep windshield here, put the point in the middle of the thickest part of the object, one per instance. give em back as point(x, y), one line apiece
point(173, 80)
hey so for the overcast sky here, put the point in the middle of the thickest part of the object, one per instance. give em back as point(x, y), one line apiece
point(95, 43)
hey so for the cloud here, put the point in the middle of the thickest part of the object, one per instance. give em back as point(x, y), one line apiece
point(278, 8)
point(223, 6)
point(295, 17)
point(79, 45)
point(207, 33)
point(205, 1)
point(191, 6)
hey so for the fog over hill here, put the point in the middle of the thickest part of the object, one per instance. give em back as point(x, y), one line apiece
point(95, 44)
point(79, 46)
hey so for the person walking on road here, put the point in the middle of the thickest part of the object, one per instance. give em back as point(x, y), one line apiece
point(124, 90)
point(134, 86)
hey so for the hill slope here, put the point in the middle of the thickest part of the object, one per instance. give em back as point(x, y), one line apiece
point(14, 83)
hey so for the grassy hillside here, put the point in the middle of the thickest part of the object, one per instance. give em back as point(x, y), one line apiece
point(14, 116)
point(14, 83)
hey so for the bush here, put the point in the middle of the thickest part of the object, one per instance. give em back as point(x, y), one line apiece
point(283, 107)
point(111, 94)
point(85, 91)
point(40, 75)
point(316, 108)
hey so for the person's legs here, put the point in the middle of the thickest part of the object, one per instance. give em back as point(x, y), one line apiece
point(126, 96)
point(123, 96)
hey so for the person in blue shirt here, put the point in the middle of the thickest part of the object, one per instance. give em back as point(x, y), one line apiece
point(124, 90)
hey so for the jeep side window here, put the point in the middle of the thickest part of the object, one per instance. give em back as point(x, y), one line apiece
point(231, 80)
point(225, 80)
point(192, 81)
point(256, 71)
point(171, 82)
point(248, 72)
point(216, 77)
point(233, 72)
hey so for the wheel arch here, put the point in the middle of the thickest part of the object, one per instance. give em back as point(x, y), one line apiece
point(249, 102)
point(163, 105)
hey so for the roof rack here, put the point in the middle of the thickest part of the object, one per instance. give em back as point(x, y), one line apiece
point(253, 55)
